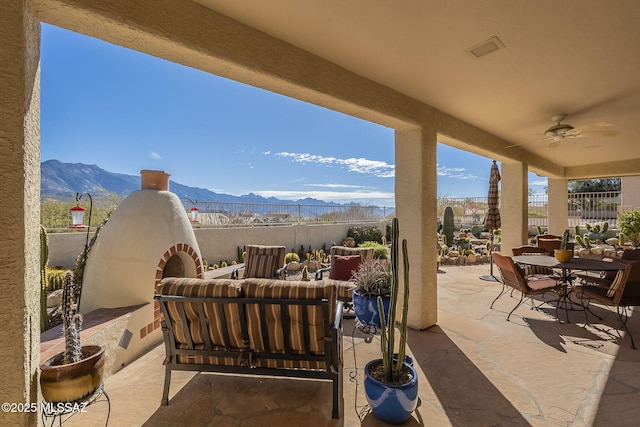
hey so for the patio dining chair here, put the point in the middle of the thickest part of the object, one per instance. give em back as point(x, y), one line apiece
point(623, 292)
point(549, 242)
point(532, 250)
point(262, 262)
point(529, 286)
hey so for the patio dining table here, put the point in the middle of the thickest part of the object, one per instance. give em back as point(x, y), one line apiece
point(576, 264)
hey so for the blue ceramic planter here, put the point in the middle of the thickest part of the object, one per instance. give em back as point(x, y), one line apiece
point(366, 309)
point(595, 236)
point(392, 404)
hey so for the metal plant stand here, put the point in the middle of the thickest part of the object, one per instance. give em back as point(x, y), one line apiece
point(62, 412)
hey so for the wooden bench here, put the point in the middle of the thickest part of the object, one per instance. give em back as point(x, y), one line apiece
point(253, 327)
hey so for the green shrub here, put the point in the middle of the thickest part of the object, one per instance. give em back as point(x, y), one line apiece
point(629, 225)
point(365, 234)
point(380, 250)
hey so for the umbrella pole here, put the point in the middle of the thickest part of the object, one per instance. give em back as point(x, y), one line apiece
point(490, 277)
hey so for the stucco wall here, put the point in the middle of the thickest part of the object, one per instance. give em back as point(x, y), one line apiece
point(222, 243)
point(19, 219)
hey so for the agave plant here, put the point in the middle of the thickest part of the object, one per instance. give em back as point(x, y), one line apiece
point(373, 277)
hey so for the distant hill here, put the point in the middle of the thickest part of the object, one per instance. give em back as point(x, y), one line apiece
point(65, 179)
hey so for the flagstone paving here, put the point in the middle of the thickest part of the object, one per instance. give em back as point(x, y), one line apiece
point(475, 369)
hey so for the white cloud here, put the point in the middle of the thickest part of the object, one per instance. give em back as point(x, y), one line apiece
point(373, 197)
point(154, 155)
point(540, 182)
point(359, 165)
point(455, 173)
point(266, 153)
point(333, 185)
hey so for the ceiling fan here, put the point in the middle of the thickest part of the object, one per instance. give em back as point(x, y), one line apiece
point(558, 132)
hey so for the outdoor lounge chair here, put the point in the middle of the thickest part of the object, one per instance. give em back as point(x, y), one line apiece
point(529, 286)
point(623, 292)
point(262, 262)
point(342, 263)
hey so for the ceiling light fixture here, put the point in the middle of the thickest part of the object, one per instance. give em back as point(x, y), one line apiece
point(486, 47)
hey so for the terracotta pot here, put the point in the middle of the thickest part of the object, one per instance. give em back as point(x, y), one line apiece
point(73, 381)
point(563, 255)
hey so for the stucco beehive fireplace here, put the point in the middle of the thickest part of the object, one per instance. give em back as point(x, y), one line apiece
point(148, 237)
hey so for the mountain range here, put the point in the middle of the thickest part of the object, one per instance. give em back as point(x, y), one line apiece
point(60, 179)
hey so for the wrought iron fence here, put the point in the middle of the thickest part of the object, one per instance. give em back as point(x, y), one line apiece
point(583, 208)
point(219, 214)
point(54, 213)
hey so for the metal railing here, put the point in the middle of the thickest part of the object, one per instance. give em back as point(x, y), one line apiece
point(219, 214)
point(54, 214)
point(583, 208)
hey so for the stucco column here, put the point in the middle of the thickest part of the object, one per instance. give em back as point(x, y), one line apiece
point(416, 191)
point(557, 209)
point(514, 205)
point(19, 210)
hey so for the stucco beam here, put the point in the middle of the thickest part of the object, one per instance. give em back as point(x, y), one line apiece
point(630, 167)
point(195, 36)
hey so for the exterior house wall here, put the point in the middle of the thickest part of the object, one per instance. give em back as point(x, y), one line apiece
point(222, 243)
point(19, 218)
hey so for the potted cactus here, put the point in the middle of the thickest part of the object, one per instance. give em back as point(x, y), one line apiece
point(563, 254)
point(77, 371)
point(391, 382)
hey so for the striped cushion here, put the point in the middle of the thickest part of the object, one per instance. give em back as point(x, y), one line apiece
point(264, 288)
point(242, 358)
point(263, 261)
point(536, 269)
point(345, 289)
point(213, 312)
point(616, 283)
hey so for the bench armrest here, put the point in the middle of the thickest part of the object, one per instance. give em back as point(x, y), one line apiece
point(234, 273)
point(320, 271)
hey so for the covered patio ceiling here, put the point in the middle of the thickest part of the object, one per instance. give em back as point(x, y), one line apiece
point(576, 58)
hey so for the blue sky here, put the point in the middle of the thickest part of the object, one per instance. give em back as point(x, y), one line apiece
point(126, 111)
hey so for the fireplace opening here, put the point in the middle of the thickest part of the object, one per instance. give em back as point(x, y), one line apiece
point(174, 267)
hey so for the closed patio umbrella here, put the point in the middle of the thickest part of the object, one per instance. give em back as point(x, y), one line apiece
point(492, 218)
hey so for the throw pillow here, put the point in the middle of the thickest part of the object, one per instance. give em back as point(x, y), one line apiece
point(343, 265)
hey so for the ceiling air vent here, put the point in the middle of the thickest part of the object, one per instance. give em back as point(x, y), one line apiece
point(486, 47)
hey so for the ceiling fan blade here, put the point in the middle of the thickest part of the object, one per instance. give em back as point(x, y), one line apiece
point(603, 132)
point(517, 145)
point(591, 127)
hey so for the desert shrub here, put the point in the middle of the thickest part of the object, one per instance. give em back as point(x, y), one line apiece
point(380, 250)
point(629, 225)
point(365, 234)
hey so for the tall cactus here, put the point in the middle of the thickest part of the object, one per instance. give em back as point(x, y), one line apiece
point(447, 225)
point(44, 281)
point(565, 240)
point(72, 320)
point(392, 369)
